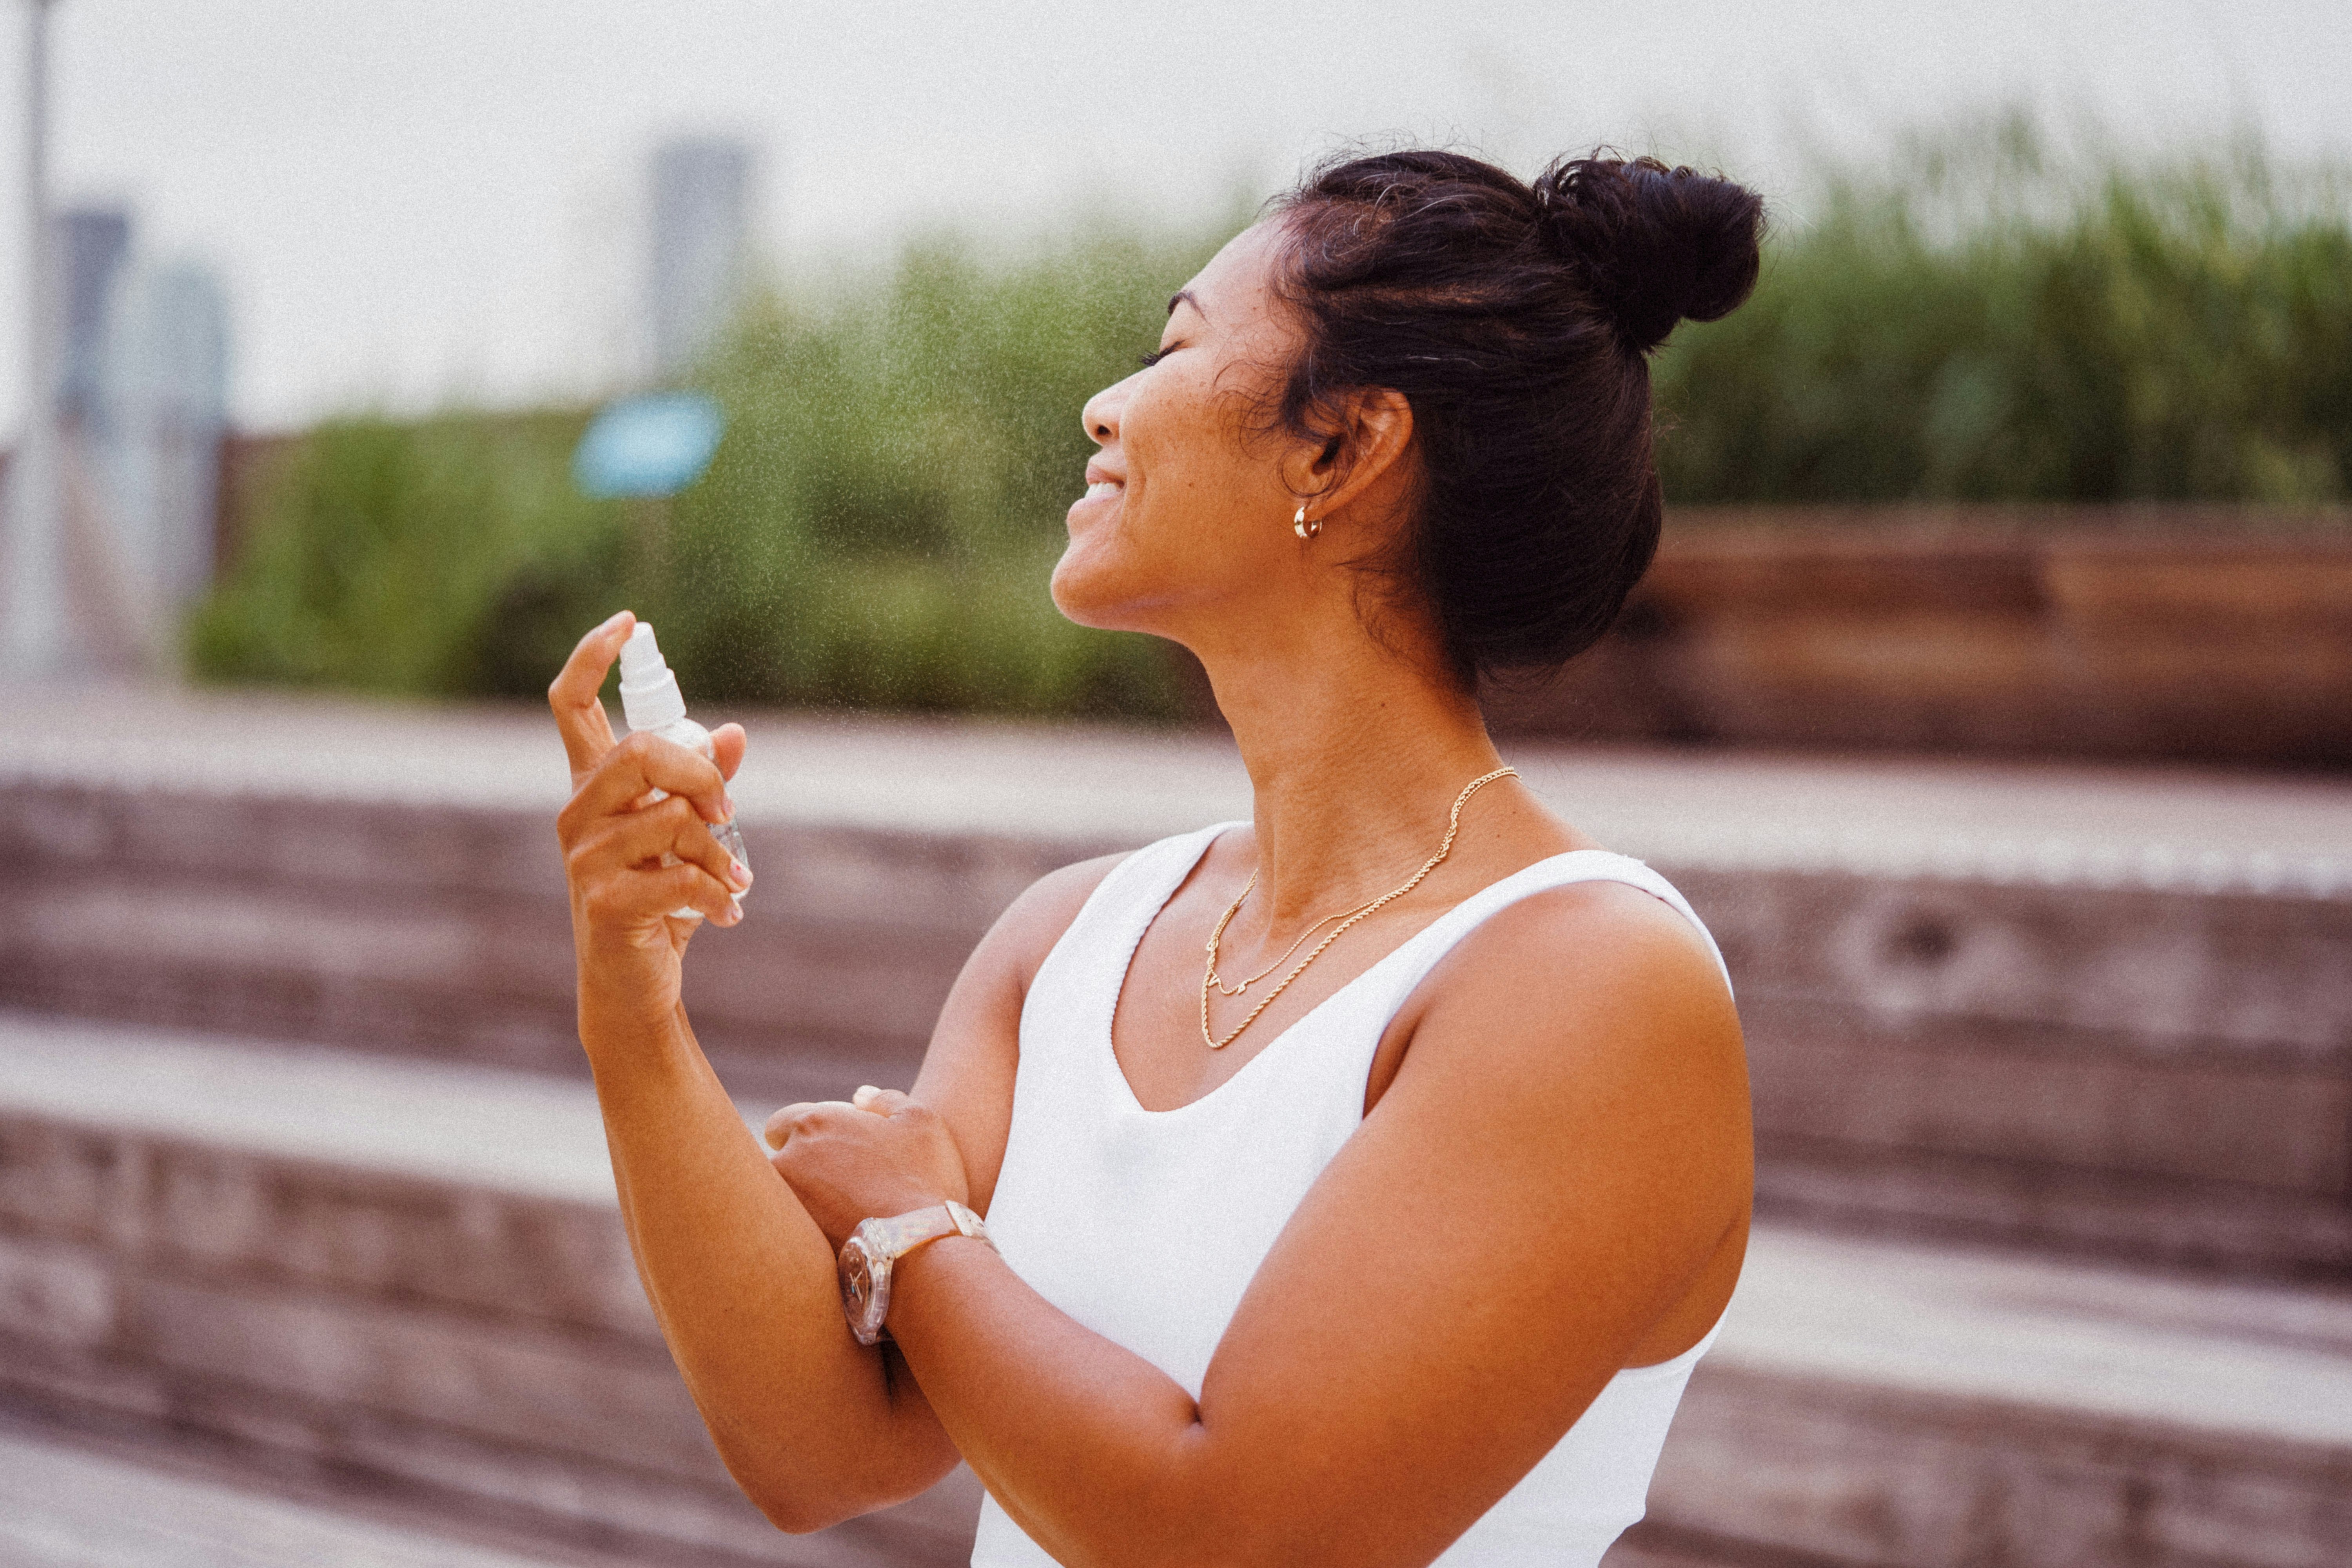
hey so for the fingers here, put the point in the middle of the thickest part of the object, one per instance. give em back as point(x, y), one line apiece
point(665, 827)
point(642, 895)
point(782, 1125)
point(878, 1101)
point(579, 711)
point(728, 741)
point(640, 764)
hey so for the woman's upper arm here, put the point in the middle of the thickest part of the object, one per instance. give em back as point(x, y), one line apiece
point(1563, 1151)
point(967, 1070)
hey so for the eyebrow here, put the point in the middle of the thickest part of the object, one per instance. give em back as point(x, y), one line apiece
point(1186, 297)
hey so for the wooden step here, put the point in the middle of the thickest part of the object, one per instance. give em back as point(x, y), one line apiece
point(69, 1500)
point(2102, 1011)
point(415, 1271)
point(408, 1270)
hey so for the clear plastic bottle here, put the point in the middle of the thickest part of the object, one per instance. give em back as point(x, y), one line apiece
point(651, 703)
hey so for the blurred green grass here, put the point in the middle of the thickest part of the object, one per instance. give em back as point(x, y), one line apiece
point(1977, 319)
point(1986, 319)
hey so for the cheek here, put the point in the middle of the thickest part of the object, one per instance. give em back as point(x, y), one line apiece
point(1186, 529)
point(1191, 477)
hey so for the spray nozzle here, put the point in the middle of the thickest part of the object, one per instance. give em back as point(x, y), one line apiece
point(649, 694)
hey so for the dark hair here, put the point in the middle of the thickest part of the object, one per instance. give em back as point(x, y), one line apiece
point(1516, 320)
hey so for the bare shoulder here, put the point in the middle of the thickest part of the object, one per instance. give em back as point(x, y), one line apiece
point(1030, 926)
point(1602, 928)
point(1593, 1030)
point(1592, 979)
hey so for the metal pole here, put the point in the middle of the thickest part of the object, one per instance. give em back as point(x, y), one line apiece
point(34, 622)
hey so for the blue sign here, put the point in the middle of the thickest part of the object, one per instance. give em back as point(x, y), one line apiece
point(656, 445)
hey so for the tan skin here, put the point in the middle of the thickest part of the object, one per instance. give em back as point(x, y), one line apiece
point(1551, 1181)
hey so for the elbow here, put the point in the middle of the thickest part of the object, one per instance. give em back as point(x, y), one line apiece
point(801, 1498)
point(792, 1497)
point(796, 1507)
point(789, 1503)
point(798, 1515)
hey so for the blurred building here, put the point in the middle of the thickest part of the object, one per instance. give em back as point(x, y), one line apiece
point(699, 207)
point(94, 242)
point(141, 394)
point(162, 398)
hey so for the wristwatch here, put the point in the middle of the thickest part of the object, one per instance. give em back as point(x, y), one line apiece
point(876, 1244)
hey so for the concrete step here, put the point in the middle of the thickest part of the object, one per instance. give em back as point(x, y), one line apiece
point(413, 1272)
point(2105, 1011)
point(405, 1270)
point(71, 1499)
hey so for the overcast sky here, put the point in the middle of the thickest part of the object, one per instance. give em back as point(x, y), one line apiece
point(419, 201)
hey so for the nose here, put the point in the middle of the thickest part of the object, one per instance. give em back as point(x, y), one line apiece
point(1101, 413)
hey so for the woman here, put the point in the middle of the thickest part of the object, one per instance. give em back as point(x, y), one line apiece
point(1390, 1233)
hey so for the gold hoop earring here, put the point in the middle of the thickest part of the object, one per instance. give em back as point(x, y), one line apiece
point(1304, 528)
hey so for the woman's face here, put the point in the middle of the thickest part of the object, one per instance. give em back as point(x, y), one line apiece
point(1187, 512)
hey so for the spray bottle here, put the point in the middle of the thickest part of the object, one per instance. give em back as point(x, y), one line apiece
point(650, 702)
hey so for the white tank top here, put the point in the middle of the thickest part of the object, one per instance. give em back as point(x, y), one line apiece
point(1147, 1226)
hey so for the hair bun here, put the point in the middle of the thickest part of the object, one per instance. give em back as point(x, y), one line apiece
point(1655, 244)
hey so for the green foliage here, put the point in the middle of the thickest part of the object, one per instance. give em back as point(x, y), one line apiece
point(439, 557)
point(1985, 323)
point(1981, 321)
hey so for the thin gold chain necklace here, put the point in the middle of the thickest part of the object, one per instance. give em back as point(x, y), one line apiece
point(1209, 972)
point(1218, 979)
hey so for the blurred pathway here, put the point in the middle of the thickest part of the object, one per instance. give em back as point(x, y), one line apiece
point(2025, 822)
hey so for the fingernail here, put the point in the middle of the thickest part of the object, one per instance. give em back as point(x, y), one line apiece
point(739, 873)
point(735, 911)
point(615, 619)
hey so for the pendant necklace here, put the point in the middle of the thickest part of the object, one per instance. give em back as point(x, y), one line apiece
point(1210, 979)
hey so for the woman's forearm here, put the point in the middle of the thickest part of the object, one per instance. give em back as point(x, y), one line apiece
point(741, 1278)
point(1096, 1453)
point(742, 1284)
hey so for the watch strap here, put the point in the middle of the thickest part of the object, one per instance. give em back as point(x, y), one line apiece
point(969, 1224)
point(900, 1234)
point(895, 1237)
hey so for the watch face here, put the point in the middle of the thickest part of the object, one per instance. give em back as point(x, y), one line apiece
point(856, 1281)
point(864, 1289)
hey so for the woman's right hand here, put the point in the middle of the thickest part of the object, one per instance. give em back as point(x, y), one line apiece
point(614, 837)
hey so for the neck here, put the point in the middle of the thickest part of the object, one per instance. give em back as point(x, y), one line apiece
point(1354, 762)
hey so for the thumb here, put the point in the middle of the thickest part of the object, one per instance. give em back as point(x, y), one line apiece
point(882, 1102)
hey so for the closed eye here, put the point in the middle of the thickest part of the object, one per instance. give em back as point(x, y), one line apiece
point(1154, 356)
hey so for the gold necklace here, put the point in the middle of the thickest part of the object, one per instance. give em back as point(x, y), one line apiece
point(1209, 972)
point(1218, 979)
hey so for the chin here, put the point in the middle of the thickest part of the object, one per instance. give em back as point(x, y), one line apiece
point(1080, 592)
point(1108, 581)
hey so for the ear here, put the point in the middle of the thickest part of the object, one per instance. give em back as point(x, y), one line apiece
point(1362, 455)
